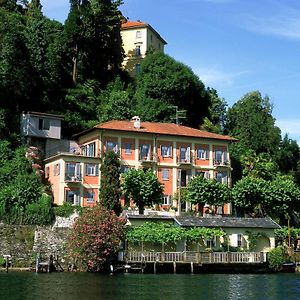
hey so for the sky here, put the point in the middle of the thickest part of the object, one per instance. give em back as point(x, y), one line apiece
point(234, 46)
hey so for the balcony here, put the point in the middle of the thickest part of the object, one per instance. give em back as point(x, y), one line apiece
point(148, 159)
point(221, 163)
point(73, 178)
point(185, 161)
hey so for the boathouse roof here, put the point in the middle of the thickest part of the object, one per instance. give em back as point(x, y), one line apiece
point(233, 222)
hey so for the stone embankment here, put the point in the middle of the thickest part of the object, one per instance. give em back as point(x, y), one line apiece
point(24, 243)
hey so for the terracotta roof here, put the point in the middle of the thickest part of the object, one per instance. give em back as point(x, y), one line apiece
point(162, 128)
point(233, 222)
point(130, 24)
point(138, 24)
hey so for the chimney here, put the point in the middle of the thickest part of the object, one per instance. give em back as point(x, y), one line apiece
point(136, 122)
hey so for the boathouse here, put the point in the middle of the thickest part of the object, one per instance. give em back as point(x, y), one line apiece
point(244, 244)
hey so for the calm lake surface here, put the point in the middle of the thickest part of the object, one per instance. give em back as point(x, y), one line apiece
point(148, 286)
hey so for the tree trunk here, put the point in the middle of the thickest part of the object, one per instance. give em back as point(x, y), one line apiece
point(74, 73)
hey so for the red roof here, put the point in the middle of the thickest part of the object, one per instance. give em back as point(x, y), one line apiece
point(129, 24)
point(162, 128)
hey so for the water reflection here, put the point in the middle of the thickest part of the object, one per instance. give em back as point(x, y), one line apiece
point(149, 286)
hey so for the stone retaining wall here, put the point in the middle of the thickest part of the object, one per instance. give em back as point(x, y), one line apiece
point(23, 243)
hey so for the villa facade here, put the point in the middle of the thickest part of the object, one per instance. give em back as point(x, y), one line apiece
point(173, 152)
point(138, 38)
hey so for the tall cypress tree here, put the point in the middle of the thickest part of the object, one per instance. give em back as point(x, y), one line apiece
point(93, 39)
point(109, 194)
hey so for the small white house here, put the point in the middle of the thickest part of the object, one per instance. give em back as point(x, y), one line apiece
point(41, 125)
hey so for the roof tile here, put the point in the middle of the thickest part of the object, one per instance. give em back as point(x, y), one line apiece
point(162, 128)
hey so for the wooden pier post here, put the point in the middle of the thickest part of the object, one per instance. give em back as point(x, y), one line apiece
point(192, 267)
point(174, 266)
point(37, 263)
point(154, 267)
point(6, 264)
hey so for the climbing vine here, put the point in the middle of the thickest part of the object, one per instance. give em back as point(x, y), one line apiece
point(168, 233)
point(253, 237)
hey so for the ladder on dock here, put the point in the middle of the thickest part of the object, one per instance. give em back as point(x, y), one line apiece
point(43, 266)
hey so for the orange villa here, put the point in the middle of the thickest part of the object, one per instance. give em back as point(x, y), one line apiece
point(174, 152)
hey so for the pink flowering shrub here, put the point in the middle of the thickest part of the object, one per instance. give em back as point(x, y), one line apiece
point(96, 237)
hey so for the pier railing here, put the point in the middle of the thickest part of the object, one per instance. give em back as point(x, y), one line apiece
point(196, 257)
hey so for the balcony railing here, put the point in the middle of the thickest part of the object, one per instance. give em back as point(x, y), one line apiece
point(221, 163)
point(196, 257)
point(150, 158)
point(73, 178)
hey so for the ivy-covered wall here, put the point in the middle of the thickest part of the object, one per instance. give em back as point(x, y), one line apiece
point(23, 243)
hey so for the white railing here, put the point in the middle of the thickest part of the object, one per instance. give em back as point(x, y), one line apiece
point(197, 257)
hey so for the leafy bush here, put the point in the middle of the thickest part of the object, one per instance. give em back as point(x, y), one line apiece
point(2, 261)
point(66, 210)
point(40, 213)
point(96, 237)
point(276, 258)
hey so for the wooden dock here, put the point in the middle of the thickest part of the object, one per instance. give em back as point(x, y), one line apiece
point(196, 257)
point(189, 261)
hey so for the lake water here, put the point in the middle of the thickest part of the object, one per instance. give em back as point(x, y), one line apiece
point(148, 286)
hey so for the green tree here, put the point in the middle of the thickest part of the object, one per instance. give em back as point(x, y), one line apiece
point(81, 105)
point(201, 191)
point(143, 187)
point(14, 66)
point(278, 198)
point(92, 32)
point(164, 82)
point(282, 197)
point(21, 197)
point(216, 120)
point(96, 237)
point(48, 74)
point(109, 194)
point(116, 102)
point(250, 120)
point(288, 155)
point(248, 195)
point(259, 166)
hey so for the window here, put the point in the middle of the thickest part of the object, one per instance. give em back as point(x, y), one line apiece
point(221, 177)
point(56, 170)
point(47, 172)
point(137, 68)
point(221, 157)
point(211, 242)
point(124, 169)
point(166, 200)
point(44, 124)
point(138, 51)
point(91, 170)
point(112, 146)
point(90, 196)
point(202, 153)
point(204, 174)
point(89, 150)
point(145, 151)
point(138, 34)
point(166, 151)
point(218, 155)
point(127, 148)
point(72, 196)
point(185, 154)
point(72, 172)
point(165, 174)
point(239, 240)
